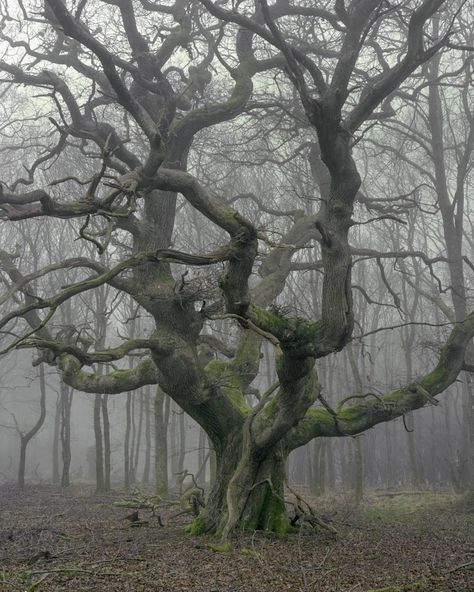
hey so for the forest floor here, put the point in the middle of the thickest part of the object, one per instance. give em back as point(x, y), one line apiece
point(52, 541)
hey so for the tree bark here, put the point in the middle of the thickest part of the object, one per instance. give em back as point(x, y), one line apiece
point(55, 454)
point(138, 437)
point(358, 469)
point(317, 458)
point(99, 450)
point(161, 442)
point(126, 443)
point(107, 452)
point(248, 496)
point(27, 437)
point(358, 464)
point(182, 443)
point(66, 402)
point(147, 461)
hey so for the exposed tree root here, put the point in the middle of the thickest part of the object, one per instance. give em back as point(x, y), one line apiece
point(304, 513)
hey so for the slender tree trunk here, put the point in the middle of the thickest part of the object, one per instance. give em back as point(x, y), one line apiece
point(408, 340)
point(388, 455)
point(417, 477)
point(358, 469)
point(310, 466)
point(173, 442)
point(126, 446)
point(55, 456)
point(22, 462)
point(161, 442)
point(202, 455)
point(99, 450)
point(331, 473)
point(468, 412)
point(66, 397)
point(101, 426)
point(147, 461)
point(182, 443)
point(133, 437)
point(322, 466)
point(27, 437)
point(318, 462)
point(358, 464)
point(138, 440)
point(452, 460)
point(106, 424)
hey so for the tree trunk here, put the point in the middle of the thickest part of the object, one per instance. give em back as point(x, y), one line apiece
point(246, 495)
point(415, 465)
point(55, 456)
point(389, 480)
point(318, 465)
point(173, 443)
point(106, 424)
point(468, 414)
point(182, 443)
point(25, 438)
point(22, 462)
point(161, 442)
point(358, 465)
point(330, 464)
point(133, 434)
point(99, 450)
point(126, 444)
point(138, 439)
point(358, 469)
point(66, 402)
point(147, 462)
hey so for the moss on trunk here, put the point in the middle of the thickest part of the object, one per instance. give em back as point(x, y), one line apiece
point(256, 488)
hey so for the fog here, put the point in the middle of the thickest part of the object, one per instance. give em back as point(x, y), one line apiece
point(236, 257)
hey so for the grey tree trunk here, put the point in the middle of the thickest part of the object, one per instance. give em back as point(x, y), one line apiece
point(147, 459)
point(358, 464)
point(25, 438)
point(66, 403)
point(182, 443)
point(138, 437)
point(161, 415)
point(126, 445)
point(107, 452)
point(55, 447)
point(317, 459)
point(99, 449)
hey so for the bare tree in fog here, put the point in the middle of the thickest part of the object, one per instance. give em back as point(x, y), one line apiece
point(438, 125)
point(133, 93)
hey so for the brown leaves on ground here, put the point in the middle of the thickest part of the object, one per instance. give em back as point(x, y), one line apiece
point(52, 541)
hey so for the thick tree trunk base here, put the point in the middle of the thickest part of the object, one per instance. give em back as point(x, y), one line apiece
point(268, 514)
point(261, 499)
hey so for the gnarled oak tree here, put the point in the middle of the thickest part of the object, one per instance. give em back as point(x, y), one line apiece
point(131, 84)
